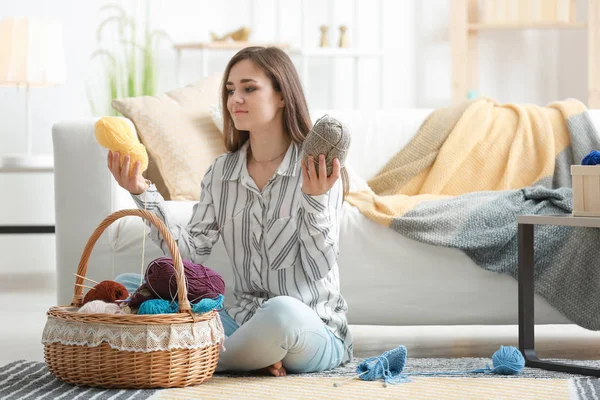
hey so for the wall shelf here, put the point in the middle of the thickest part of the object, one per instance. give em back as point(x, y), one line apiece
point(336, 52)
point(465, 25)
point(304, 54)
point(226, 45)
point(526, 25)
point(301, 52)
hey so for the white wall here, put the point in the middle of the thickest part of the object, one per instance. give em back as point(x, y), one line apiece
point(532, 66)
point(572, 54)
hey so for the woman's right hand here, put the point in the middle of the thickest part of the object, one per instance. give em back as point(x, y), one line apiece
point(134, 184)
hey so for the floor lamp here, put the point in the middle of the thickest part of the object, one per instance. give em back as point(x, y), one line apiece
point(32, 56)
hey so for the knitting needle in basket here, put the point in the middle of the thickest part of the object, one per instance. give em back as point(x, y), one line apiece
point(85, 277)
point(89, 287)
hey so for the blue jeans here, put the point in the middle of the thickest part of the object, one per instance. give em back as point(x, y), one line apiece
point(283, 329)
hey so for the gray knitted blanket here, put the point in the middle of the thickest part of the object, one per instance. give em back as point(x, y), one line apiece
point(483, 225)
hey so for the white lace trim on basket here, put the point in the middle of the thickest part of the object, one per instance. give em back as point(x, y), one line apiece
point(138, 338)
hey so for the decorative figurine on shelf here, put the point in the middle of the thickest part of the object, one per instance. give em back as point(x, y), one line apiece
point(343, 37)
point(324, 39)
point(241, 35)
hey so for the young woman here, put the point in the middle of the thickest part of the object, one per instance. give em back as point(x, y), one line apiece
point(279, 219)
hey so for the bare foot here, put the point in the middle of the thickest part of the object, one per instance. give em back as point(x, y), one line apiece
point(277, 369)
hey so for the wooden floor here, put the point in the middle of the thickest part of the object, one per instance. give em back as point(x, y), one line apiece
point(25, 298)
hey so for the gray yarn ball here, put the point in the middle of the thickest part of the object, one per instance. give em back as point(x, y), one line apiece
point(330, 137)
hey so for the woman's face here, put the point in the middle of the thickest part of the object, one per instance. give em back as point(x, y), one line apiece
point(252, 102)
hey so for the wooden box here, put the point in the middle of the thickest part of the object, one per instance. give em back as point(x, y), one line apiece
point(586, 190)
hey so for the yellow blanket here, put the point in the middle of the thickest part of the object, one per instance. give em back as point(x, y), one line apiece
point(474, 146)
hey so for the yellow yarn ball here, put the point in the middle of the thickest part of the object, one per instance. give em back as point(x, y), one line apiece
point(116, 135)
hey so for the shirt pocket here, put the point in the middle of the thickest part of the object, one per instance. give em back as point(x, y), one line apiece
point(283, 244)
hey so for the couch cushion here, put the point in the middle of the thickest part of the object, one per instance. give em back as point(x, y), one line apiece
point(178, 132)
point(376, 135)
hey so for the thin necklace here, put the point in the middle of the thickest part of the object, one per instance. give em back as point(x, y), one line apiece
point(268, 161)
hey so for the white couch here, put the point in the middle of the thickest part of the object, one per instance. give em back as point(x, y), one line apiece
point(386, 278)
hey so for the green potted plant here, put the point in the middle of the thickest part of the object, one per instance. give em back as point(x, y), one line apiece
point(127, 53)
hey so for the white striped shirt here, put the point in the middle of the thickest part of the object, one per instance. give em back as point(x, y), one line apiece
point(281, 242)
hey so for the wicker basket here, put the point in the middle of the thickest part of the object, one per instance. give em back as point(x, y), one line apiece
point(101, 361)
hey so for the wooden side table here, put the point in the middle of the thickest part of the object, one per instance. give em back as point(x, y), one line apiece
point(41, 164)
point(526, 224)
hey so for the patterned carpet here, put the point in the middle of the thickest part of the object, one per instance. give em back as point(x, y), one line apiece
point(27, 380)
point(453, 364)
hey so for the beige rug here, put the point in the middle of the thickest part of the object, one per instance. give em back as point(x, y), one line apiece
point(28, 380)
point(419, 388)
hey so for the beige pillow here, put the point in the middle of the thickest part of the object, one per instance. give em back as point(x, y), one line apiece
point(217, 117)
point(179, 134)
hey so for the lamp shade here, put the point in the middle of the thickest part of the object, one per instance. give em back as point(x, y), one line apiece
point(32, 52)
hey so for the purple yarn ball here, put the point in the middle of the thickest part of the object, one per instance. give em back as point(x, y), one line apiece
point(160, 282)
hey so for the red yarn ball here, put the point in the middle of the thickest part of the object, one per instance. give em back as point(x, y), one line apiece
point(107, 291)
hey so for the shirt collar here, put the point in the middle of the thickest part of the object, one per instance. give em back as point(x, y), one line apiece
point(288, 166)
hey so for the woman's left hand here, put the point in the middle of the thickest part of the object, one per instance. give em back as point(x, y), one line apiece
point(315, 185)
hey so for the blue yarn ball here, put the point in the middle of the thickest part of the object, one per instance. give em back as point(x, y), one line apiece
point(593, 158)
point(508, 360)
point(161, 306)
point(157, 306)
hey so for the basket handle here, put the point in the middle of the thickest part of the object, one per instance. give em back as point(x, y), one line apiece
point(184, 304)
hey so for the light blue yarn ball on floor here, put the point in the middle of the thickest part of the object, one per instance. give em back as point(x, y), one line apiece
point(508, 360)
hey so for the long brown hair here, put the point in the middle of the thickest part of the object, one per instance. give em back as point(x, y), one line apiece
point(280, 70)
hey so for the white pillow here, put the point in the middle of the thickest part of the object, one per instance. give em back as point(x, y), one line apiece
point(357, 183)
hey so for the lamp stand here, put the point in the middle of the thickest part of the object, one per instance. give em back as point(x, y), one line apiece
point(27, 161)
point(28, 120)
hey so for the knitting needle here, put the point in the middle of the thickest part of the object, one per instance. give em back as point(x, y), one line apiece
point(84, 277)
point(89, 287)
point(349, 379)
